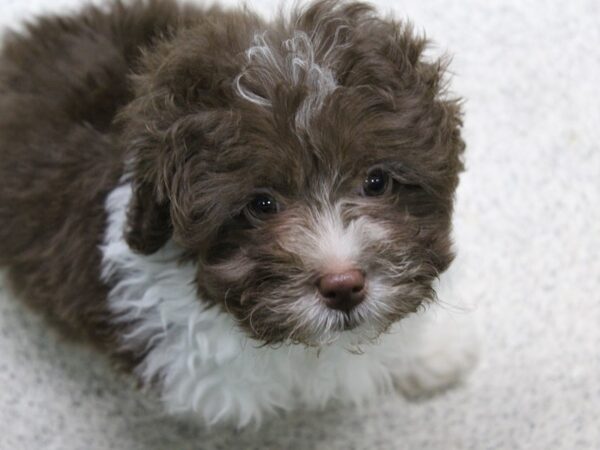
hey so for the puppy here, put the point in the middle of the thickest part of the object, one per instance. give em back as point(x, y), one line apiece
point(250, 216)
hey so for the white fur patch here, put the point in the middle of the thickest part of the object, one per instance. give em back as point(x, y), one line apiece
point(206, 365)
point(334, 243)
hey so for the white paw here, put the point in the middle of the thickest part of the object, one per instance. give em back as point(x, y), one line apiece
point(441, 351)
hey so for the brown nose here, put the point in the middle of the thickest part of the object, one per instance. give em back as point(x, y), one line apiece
point(344, 290)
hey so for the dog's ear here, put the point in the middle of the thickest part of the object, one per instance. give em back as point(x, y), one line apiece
point(168, 131)
point(142, 136)
point(149, 224)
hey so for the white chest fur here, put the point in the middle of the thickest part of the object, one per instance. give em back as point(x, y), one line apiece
point(206, 365)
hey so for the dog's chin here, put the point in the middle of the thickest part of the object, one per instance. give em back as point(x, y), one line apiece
point(348, 325)
point(353, 327)
point(347, 322)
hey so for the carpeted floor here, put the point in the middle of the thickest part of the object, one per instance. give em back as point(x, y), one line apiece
point(528, 229)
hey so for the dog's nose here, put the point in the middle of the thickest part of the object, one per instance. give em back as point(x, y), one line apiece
point(343, 290)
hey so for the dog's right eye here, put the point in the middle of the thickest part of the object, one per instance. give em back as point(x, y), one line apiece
point(262, 205)
point(375, 183)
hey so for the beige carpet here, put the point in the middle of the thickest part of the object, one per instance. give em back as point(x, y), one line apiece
point(528, 226)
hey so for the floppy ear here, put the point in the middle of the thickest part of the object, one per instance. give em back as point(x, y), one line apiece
point(148, 220)
point(149, 224)
point(180, 89)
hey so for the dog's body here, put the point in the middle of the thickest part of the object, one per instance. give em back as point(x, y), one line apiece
point(181, 218)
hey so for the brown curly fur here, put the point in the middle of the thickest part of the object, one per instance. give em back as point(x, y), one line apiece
point(150, 87)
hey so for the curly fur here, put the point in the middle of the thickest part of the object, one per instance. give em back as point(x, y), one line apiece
point(132, 139)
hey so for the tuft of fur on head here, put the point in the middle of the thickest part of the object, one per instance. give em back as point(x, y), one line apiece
point(302, 111)
point(297, 65)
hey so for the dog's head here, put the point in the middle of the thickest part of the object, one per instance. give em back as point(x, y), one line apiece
point(308, 167)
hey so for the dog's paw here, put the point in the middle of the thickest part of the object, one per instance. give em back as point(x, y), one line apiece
point(444, 353)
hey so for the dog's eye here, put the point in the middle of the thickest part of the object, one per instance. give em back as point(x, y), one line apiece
point(262, 205)
point(375, 183)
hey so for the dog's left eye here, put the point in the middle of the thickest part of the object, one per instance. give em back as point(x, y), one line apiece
point(263, 205)
point(375, 183)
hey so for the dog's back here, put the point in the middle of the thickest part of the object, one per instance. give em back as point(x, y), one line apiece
point(61, 84)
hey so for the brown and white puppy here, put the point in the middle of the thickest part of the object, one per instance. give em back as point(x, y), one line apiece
point(247, 214)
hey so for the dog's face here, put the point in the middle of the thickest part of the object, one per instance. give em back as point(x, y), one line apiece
point(308, 170)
